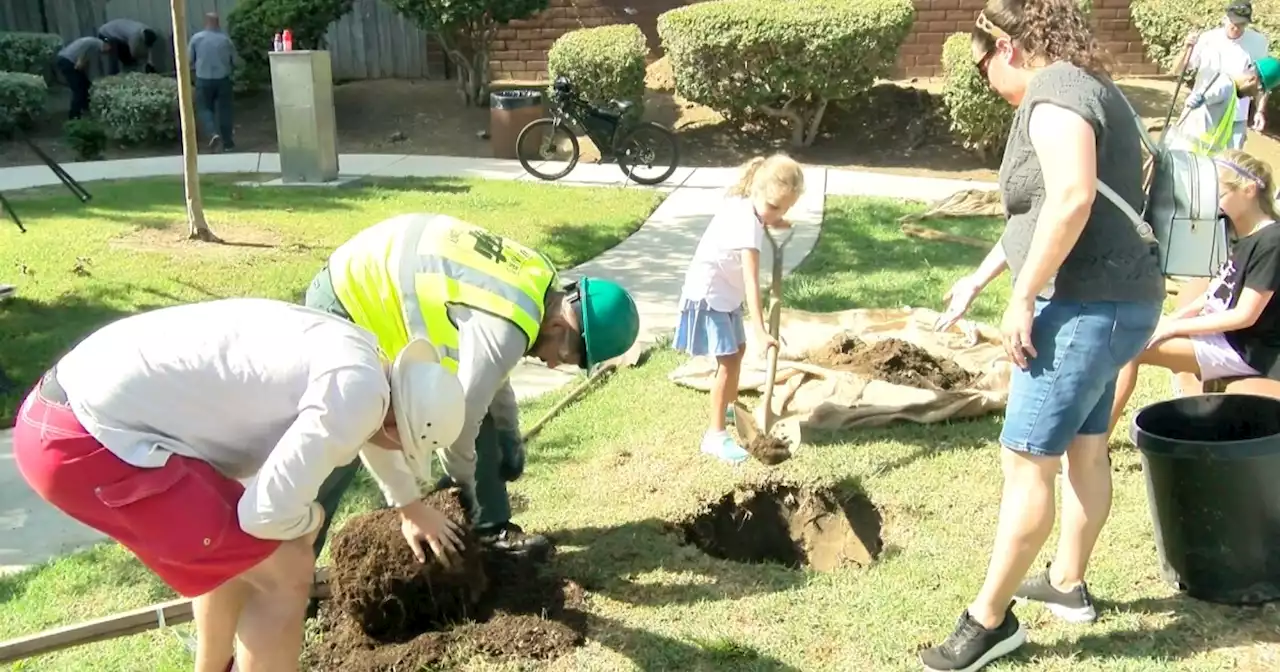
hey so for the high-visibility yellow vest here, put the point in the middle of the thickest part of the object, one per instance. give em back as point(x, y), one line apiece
point(1218, 138)
point(398, 278)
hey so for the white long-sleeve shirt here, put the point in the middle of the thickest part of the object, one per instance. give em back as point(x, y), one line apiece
point(271, 394)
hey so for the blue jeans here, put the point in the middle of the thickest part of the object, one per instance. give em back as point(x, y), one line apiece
point(213, 108)
point(1070, 385)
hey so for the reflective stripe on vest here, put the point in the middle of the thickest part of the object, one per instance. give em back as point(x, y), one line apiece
point(1219, 138)
point(399, 278)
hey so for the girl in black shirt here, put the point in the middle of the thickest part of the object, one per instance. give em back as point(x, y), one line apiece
point(1233, 329)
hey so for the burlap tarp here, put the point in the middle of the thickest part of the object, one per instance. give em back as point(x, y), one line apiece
point(829, 399)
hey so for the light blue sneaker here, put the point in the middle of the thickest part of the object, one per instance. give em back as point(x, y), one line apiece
point(722, 446)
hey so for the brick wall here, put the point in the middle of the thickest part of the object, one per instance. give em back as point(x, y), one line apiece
point(520, 49)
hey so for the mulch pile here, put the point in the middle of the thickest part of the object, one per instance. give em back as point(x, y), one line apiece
point(388, 613)
point(893, 361)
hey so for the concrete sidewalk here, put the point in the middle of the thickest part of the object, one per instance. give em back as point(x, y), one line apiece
point(651, 263)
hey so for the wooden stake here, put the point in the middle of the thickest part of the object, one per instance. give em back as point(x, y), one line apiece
point(164, 614)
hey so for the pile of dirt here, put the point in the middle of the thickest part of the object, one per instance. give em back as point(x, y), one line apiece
point(769, 449)
point(387, 612)
point(820, 529)
point(891, 360)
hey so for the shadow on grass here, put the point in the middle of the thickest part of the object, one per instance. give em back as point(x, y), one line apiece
point(926, 440)
point(101, 568)
point(1197, 627)
point(37, 334)
point(606, 559)
point(651, 652)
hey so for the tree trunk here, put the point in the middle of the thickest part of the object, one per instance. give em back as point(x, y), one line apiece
point(804, 123)
point(197, 227)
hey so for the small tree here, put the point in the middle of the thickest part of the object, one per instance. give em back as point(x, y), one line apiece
point(465, 29)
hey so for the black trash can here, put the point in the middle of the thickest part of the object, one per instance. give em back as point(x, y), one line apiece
point(509, 112)
point(1212, 464)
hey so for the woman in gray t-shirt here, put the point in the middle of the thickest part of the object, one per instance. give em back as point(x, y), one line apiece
point(1087, 292)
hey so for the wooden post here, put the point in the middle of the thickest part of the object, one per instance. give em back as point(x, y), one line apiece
point(198, 228)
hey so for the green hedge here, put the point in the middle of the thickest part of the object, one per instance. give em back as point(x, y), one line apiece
point(31, 53)
point(604, 63)
point(137, 108)
point(253, 24)
point(22, 99)
point(980, 118)
point(788, 60)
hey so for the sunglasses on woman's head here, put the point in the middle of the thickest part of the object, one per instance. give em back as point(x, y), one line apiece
point(995, 33)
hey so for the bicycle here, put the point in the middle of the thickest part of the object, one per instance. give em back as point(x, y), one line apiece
point(610, 127)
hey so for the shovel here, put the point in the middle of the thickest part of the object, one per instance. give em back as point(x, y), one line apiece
point(770, 444)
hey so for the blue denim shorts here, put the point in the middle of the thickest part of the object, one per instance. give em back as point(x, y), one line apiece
point(1069, 387)
point(705, 331)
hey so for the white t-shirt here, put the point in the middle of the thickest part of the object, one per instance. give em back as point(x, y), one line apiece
point(715, 274)
point(268, 393)
point(1216, 53)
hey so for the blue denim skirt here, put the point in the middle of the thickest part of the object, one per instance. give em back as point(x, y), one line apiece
point(704, 331)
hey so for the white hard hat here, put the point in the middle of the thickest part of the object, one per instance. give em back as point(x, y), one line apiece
point(430, 406)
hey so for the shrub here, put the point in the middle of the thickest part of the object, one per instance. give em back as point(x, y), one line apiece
point(137, 108)
point(787, 60)
point(980, 118)
point(253, 24)
point(22, 99)
point(86, 137)
point(604, 63)
point(28, 52)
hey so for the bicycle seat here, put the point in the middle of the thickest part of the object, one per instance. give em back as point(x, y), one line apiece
point(622, 106)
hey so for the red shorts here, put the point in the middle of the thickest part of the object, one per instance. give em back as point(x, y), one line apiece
point(179, 519)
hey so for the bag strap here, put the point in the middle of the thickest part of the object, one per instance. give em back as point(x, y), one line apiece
point(1144, 229)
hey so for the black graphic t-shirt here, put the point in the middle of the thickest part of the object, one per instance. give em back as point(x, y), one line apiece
point(1254, 263)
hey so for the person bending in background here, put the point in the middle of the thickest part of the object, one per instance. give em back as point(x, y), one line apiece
point(1208, 122)
point(1233, 328)
point(131, 43)
point(73, 64)
point(1228, 50)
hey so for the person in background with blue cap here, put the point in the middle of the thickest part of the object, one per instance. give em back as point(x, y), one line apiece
point(1229, 50)
point(486, 302)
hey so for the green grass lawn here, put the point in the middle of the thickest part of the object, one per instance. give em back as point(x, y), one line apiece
point(80, 266)
point(658, 604)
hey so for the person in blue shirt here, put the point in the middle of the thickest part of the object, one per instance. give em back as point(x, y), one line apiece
point(213, 58)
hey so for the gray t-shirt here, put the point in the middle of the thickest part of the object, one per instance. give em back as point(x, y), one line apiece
point(1109, 262)
point(132, 33)
point(81, 50)
point(212, 54)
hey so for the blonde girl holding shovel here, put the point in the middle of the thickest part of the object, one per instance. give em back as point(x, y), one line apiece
point(725, 273)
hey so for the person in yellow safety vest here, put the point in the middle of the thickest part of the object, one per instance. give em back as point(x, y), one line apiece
point(485, 302)
point(1208, 122)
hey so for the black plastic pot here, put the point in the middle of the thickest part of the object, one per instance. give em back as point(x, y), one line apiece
point(1212, 464)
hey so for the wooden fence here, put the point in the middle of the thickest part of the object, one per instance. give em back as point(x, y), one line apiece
point(371, 42)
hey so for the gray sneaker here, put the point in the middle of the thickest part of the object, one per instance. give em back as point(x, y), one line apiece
point(1073, 606)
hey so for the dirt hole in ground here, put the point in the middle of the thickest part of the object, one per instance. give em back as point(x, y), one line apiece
point(388, 613)
point(892, 360)
point(820, 529)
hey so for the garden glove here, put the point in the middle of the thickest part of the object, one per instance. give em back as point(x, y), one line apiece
point(1195, 100)
point(512, 447)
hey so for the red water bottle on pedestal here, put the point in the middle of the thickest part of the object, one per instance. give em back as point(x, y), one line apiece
point(288, 40)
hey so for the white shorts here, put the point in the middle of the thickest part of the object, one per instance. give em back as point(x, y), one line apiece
point(1217, 359)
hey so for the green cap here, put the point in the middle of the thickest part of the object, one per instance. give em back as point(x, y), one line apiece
point(610, 321)
point(1269, 72)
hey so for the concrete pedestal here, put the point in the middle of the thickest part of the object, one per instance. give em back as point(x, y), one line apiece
point(306, 129)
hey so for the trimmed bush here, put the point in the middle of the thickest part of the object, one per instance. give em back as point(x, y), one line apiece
point(86, 137)
point(787, 60)
point(253, 24)
point(22, 99)
point(604, 63)
point(31, 53)
point(137, 108)
point(980, 118)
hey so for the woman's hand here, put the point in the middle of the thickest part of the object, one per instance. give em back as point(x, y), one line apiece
point(1165, 330)
point(958, 298)
point(764, 339)
point(1015, 330)
point(419, 521)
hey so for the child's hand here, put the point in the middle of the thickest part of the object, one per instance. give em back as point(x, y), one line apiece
point(764, 339)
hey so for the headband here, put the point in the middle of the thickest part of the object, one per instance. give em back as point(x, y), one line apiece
point(1242, 172)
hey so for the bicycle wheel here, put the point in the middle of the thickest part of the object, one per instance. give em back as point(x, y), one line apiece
point(547, 150)
point(649, 146)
